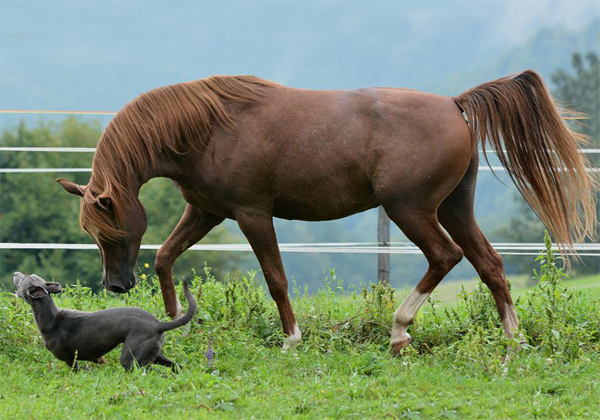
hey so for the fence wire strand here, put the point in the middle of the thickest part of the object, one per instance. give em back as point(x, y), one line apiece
point(406, 248)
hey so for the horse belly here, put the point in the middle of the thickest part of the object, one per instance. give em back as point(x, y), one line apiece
point(327, 200)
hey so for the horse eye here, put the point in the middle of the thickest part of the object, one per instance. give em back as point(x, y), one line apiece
point(105, 204)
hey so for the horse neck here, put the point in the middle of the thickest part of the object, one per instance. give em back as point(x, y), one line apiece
point(165, 165)
point(167, 168)
point(174, 166)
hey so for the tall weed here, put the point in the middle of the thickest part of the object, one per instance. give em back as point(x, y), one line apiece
point(559, 322)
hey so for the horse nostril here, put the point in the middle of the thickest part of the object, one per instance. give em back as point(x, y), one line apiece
point(116, 289)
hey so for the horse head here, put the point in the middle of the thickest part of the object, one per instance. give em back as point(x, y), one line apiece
point(117, 228)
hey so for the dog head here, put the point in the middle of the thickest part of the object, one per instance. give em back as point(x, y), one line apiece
point(34, 287)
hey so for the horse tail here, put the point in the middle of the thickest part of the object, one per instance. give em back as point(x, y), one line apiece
point(187, 317)
point(519, 118)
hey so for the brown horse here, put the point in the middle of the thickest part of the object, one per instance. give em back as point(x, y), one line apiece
point(246, 149)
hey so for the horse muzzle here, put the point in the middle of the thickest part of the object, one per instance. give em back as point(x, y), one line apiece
point(118, 283)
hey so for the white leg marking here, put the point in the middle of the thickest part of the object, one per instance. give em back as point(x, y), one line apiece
point(179, 311)
point(292, 339)
point(404, 317)
point(510, 322)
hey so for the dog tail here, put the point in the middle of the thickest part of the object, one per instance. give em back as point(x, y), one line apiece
point(187, 317)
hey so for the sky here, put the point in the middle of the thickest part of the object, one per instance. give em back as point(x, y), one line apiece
point(99, 55)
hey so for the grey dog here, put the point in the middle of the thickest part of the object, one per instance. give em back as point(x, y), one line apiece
point(76, 335)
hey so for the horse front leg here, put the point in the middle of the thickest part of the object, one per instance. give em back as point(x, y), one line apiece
point(258, 229)
point(192, 227)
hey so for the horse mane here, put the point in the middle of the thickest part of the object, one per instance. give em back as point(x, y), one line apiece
point(169, 119)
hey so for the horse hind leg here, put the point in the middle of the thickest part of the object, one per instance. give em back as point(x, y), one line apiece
point(442, 254)
point(457, 216)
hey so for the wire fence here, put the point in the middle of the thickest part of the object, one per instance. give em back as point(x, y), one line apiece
point(46, 170)
point(406, 248)
point(92, 149)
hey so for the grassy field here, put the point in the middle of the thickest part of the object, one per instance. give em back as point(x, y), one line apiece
point(455, 368)
point(447, 292)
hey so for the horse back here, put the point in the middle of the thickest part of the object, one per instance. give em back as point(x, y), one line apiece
point(320, 155)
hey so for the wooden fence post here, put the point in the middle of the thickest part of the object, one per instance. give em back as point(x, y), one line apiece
point(383, 237)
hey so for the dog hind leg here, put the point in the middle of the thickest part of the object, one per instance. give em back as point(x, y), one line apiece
point(163, 361)
point(142, 352)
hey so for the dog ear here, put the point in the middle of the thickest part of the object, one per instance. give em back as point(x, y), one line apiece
point(72, 187)
point(54, 288)
point(36, 292)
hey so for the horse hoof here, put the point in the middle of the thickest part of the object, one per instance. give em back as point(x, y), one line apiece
point(292, 339)
point(400, 343)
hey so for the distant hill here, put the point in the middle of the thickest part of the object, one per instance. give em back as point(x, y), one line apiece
point(99, 55)
point(547, 50)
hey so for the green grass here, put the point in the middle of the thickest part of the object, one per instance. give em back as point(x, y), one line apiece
point(447, 292)
point(257, 382)
point(455, 367)
point(590, 284)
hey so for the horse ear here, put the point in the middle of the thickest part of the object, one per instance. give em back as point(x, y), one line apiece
point(71, 187)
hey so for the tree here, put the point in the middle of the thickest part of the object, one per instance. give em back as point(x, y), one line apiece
point(582, 92)
point(33, 208)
